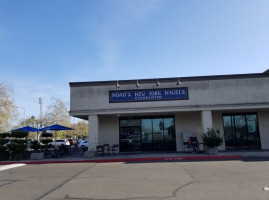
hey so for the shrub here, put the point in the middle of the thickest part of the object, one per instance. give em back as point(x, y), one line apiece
point(4, 135)
point(3, 141)
point(19, 134)
point(35, 145)
point(45, 134)
point(3, 149)
point(46, 141)
point(4, 154)
point(212, 138)
point(18, 150)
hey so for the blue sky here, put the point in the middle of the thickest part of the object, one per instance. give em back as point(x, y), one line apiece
point(45, 44)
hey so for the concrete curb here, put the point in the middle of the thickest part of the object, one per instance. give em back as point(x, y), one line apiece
point(128, 160)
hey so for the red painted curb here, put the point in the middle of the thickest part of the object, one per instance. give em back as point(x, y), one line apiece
point(129, 160)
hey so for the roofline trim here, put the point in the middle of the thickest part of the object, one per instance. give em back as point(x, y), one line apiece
point(182, 79)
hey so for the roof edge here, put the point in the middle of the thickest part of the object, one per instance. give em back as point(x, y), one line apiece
point(182, 79)
point(266, 72)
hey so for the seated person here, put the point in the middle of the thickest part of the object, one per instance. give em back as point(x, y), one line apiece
point(191, 144)
point(195, 142)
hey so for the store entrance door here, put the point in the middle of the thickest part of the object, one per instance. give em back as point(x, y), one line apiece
point(241, 131)
point(130, 139)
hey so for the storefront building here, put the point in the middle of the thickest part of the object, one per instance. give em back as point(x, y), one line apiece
point(155, 114)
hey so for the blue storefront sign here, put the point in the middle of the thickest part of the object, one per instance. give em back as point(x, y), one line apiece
point(148, 95)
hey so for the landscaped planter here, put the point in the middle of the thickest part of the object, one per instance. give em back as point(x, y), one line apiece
point(212, 140)
point(4, 156)
point(212, 151)
point(37, 156)
point(17, 156)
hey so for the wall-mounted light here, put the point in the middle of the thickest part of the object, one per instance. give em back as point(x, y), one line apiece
point(157, 83)
point(178, 82)
point(118, 85)
point(137, 84)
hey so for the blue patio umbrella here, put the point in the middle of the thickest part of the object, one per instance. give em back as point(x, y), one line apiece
point(27, 128)
point(56, 127)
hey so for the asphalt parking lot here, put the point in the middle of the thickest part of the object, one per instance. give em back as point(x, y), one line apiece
point(229, 179)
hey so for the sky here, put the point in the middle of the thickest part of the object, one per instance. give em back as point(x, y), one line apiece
point(45, 44)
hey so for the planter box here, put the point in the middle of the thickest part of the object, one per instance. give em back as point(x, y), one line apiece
point(212, 151)
point(4, 156)
point(89, 154)
point(37, 156)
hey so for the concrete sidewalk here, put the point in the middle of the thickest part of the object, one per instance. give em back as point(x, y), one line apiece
point(147, 157)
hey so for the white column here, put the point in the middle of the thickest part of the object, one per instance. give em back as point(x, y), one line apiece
point(206, 118)
point(93, 127)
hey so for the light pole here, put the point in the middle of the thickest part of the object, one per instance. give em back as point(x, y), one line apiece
point(40, 102)
point(23, 113)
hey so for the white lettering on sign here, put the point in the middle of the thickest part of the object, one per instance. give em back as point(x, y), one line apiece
point(146, 98)
point(121, 94)
point(140, 94)
point(155, 93)
point(149, 95)
point(174, 92)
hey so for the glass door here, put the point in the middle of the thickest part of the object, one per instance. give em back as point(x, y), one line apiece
point(147, 134)
point(253, 132)
point(130, 139)
point(241, 131)
point(229, 133)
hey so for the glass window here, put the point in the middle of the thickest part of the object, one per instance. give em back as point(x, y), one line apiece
point(133, 122)
point(251, 121)
point(123, 122)
point(129, 122)
point(146, 130)
point(158, 127)
point(241, 131)
point(253, 133)
point(169, 130)
point(146, 134)
point(230, 139)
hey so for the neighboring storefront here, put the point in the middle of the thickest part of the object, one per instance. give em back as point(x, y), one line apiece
point(155, 114)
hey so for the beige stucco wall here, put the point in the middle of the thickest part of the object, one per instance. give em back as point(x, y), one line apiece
point(189, 123)
point(184, 122)
point(203, 95)
point(108, 130)
point(235, 95)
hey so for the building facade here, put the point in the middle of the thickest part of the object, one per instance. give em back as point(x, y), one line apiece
point(157, 114)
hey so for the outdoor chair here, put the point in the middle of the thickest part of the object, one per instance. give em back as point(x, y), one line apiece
point(115, 149)
point(185, 137)
point(99, 150)
point(62, 150)
point(55, 153)
point(106, 149)
point(187, 147)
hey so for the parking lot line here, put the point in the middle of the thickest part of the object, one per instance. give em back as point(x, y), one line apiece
point(10, 166)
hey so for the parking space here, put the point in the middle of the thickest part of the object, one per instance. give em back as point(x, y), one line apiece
point(142, 180)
